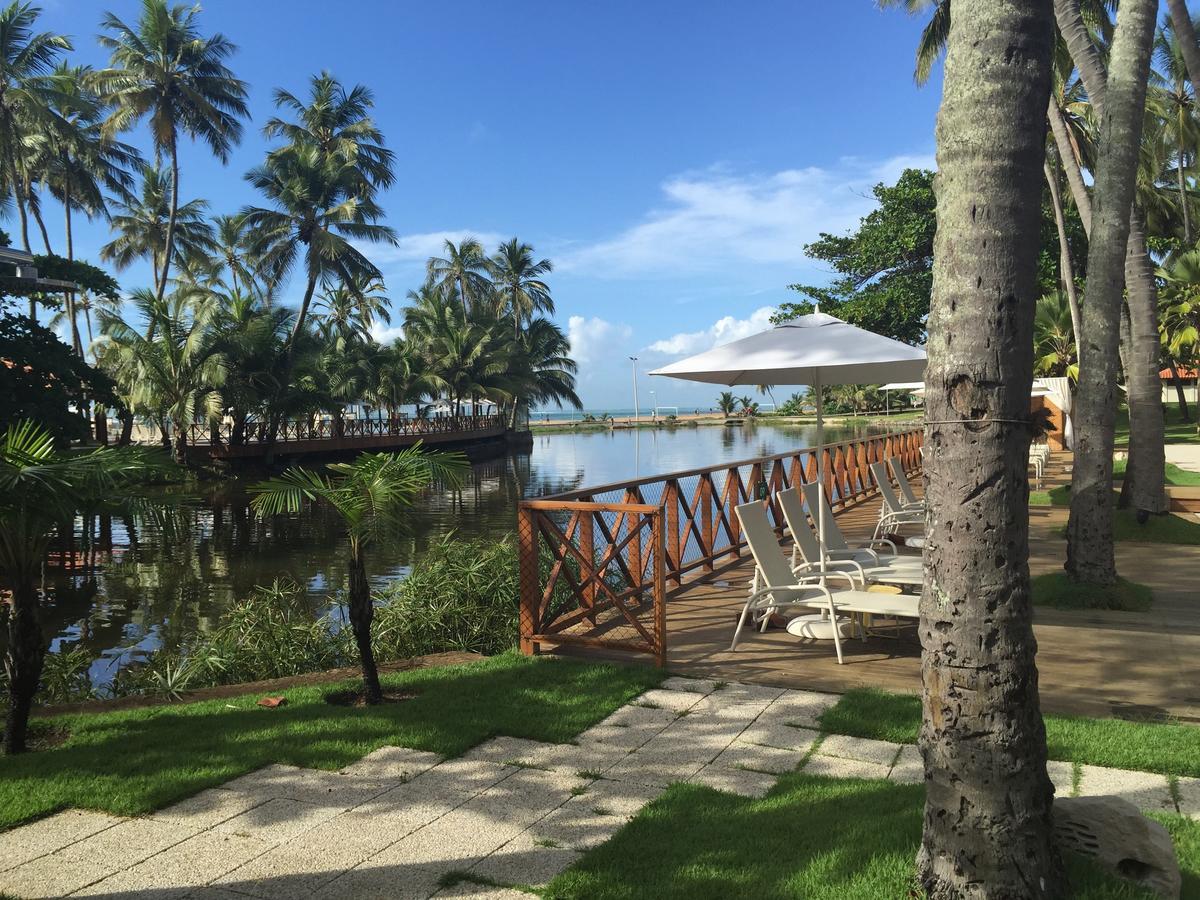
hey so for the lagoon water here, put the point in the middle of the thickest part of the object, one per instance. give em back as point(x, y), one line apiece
point(154, 591)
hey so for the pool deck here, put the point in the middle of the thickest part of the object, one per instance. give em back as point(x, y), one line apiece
point(1092, 662)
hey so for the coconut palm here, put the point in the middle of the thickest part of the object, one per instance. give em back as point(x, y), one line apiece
point(164, 70)
point(400, 377)
point(353, 309)
point(176, 375)
point(520, 290)
point(370, 496)
point(544, 366)
point(727, 403)
point(1172, 100)
point(1054, 352)
point(464, 273)
point(317, 210)
point(338, 123)
point(141, 224)
point(41, 488)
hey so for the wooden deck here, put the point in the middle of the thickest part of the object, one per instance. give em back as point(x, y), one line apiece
point(1095, 663)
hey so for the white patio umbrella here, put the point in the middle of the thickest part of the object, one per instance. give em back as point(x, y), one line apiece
point(814, 350)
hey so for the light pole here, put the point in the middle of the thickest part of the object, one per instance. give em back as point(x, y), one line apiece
point(634, 360)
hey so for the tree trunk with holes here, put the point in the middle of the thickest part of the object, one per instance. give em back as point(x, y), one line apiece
point(1185, 33)
point(1090, 556)
point(987, 826)
point(362, 614)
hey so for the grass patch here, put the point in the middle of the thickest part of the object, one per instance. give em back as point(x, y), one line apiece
point(1056, 589)
point(1059, 496)
point(1176, 431)
point(810, 837)
point(1168, 529)
point(132, 761)
point(1172, 474)
point(1167, 748)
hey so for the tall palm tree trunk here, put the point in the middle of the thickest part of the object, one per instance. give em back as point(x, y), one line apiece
point(1180, 394)
point(72, 312)
point(14, 180)
point(35, 208)
point(1183, 199)
point(1066, 267)
point(362, 613)
point(1185, 33)
point(987, 826)
point(23, 660)
point(1090, 555)
point(170, 241)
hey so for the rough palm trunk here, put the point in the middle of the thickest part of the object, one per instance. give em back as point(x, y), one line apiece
point(987, 829)
point(1143, 488)
point(1068, 156)
point(23, 662)
point(1119, 100)
point(14, 180)
point(35, 208)
point(169, 247)
point(72, 311)
point(1066, 267)
point(1185, 33)
point(1180, 394)
point(362, 613)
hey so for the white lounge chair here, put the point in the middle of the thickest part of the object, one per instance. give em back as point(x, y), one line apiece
point(874, 552)
point(892, 513)
point(907, 496)
point(806, 552)
point(782, 587)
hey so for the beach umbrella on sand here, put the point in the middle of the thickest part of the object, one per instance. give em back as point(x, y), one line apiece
point(814, 350)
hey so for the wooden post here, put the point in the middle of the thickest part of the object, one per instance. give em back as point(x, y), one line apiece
point(706, 519)
point(673, 538)
point(531, 595)
point(660, 591)
point(587, 569)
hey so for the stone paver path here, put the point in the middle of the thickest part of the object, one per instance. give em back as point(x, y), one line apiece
point(404, 823)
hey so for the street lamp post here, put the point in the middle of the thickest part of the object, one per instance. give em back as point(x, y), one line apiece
point(634, 360)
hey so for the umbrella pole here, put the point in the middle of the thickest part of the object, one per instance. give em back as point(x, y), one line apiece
point(820, 467)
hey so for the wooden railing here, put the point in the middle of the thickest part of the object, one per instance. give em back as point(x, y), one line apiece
point(332, 429)
point(595, 563)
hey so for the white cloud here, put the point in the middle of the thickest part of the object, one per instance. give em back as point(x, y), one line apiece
point(716, 218)
point(419, 247)
point(720, 332)
point(385, 334)
point(592, 340)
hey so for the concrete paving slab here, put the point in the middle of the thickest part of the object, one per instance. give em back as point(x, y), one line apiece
point(179, 870)
point(1189, 797)
point(622, 738)
point(908, 768)
point(758, 758)
point(510, 750)
point(459, 776)
point(734, 781)
point(800, 707)
point(881, 753)
point(278, 820)
point(393, 764)
point(1062, 775)
point(475, 891)
point(750, 693)
point(839, 767)
point(776, 734)
point(1145, 790)
point(658, 769)
point(720, 705)
point(290, 870)
point(578, 825)
point(309, 786)
point(639, 716)
point(525, 860)
point(383, 881)
point(591, 757)
point(696, 685)
point(26, 842)
point(457, 840)
point(208, 808)
point(622, 799)
point(677, 701)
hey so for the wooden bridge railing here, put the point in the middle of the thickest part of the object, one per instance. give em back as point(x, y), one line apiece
point(331, 429)
point(596, 562)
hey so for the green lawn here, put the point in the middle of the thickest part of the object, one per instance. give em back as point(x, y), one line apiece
point(1056, 589)
point(1172, 474)
point(137, 760)
point(1167, 748)
point(811, 838)
point(1177, 431)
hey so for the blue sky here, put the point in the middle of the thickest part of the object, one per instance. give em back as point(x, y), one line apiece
point(671, 157)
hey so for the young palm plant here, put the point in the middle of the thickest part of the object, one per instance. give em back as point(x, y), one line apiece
point(41, 489)
point(370, 495)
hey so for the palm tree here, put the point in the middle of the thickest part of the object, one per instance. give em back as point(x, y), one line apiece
point(976, 616)
point(518, 281)
point(163, 69)
point(353, 309)
point(24, 109)
point(400, 377)
point(370, 496)
point(231, 249)
point(141, 224)
point(727, 403)
point(544, 366)
point(1172, 98)
point(318, 207)
point(464, 273)
point(41, 488)
point(1179, 317)
point(1054, 353)
point(338, 124)
point(175, 375)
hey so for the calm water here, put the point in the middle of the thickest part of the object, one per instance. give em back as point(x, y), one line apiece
point(153, 591)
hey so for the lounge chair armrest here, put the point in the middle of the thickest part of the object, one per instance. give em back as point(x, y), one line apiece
point(868, 544)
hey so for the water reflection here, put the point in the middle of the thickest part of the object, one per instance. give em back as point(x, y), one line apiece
point(151, 588)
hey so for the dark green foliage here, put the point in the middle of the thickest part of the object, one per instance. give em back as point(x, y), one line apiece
point(462, 595)
point(137, 760)
point(41, 378)
point(885, 267)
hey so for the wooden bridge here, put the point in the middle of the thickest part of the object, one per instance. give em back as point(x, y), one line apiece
point(334, 436)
